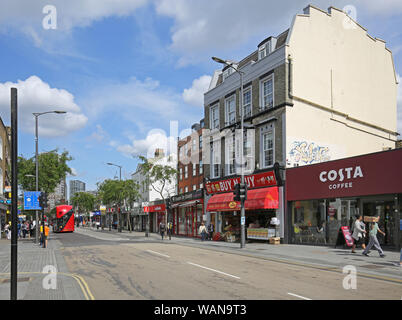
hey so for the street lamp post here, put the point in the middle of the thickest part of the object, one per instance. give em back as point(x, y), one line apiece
point(37, 114)
point(119, 213)
point(242, 210)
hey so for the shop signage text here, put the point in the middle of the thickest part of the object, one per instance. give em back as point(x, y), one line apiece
point(341, 175)
point(265, 179)
point(155, 208)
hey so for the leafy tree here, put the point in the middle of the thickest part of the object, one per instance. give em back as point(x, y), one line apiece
point(52, 169)
point(159, 176)
point(84, 201)
point(116, 192)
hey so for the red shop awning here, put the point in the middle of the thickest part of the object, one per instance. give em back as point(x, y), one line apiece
point(264, 198)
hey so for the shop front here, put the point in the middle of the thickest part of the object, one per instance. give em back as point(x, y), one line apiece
point(187, 213)
point(261, 208)
point(324, 197)
point(156, 213)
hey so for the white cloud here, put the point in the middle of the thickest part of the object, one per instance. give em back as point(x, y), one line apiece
point(26, 16)
point(34, 95)
point(195, 94)
point(136, 101)
point(146, 147)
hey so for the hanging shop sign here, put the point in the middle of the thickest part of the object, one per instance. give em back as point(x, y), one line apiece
point(265, 179)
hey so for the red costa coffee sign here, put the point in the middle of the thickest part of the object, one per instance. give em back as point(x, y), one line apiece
point(266, 179)
point(376, 173)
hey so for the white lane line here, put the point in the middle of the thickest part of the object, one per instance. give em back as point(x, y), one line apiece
point(301, 297)
point(227, 274)
point(164, 255)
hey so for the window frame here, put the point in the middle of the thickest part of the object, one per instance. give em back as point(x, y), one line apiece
point(227, 114)
point(262, 96)
point(267, 129)
point(213, 120)
point(245, 91)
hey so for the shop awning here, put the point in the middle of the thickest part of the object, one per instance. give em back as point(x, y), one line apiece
point(264, 198)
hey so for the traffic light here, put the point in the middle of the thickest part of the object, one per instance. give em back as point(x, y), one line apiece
point(43, 200)
point(236, 192)
point(7, 195)
point(243, 191)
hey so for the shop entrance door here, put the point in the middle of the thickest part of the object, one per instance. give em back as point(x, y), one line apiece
point(385, 210)
point(189, 222)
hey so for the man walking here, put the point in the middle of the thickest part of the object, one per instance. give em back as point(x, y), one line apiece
point(170, 230)
point(374, 241)
point(203, 231)
point(162, 228)
point(210, 231)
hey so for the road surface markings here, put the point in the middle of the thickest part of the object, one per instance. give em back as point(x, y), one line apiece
point(227, 274)
point(164, 255)
point(296, 295)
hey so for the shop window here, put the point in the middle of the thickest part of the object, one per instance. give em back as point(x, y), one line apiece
point(309, 222)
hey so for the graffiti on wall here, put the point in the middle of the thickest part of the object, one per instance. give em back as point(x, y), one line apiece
point(303, 152)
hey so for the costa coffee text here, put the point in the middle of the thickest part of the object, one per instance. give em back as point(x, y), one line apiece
point(341, 175)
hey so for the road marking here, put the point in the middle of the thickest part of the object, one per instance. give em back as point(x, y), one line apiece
point(227, 274)
point(301, 297)
point(164, 255)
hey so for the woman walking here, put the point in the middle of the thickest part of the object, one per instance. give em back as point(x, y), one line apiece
point(358, 232)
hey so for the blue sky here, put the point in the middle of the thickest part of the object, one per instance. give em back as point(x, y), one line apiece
point(124, 69)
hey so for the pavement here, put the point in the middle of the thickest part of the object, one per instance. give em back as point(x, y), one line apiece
point(36, 275)
point(320, 257)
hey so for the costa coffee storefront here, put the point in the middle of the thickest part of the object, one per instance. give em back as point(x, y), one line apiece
point(262, 204)
point(187, 210)
point(323, 197)
point(157, 214)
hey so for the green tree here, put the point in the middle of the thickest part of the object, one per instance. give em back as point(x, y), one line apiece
point(84, 201)
point(52, 169)
point(159, 177)
point(116, 192)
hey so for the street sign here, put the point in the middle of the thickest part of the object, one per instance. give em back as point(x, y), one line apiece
point(31, 200)
point(243, 221)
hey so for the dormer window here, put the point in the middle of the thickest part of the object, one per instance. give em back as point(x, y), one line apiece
point(264, 50)
point(227, 71)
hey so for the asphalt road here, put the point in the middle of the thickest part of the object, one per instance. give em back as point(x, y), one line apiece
point(118, 268)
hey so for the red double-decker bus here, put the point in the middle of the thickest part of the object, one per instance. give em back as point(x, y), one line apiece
point(64, 219)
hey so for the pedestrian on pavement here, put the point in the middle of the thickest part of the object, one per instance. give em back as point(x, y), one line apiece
point(24, 229)
point(170, 230)
point(203, 231)
point(358, 232)
point(210, 231)
point(162, 229)
point(373, 240)
point(19, 229)
point(46, 234)
point(7, 231)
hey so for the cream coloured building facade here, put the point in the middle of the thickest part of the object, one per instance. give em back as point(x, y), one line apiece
point(343, 87)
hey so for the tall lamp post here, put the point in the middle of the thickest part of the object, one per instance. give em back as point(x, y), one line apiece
point(119, 213)
point(242, 212)
point(37, 114)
